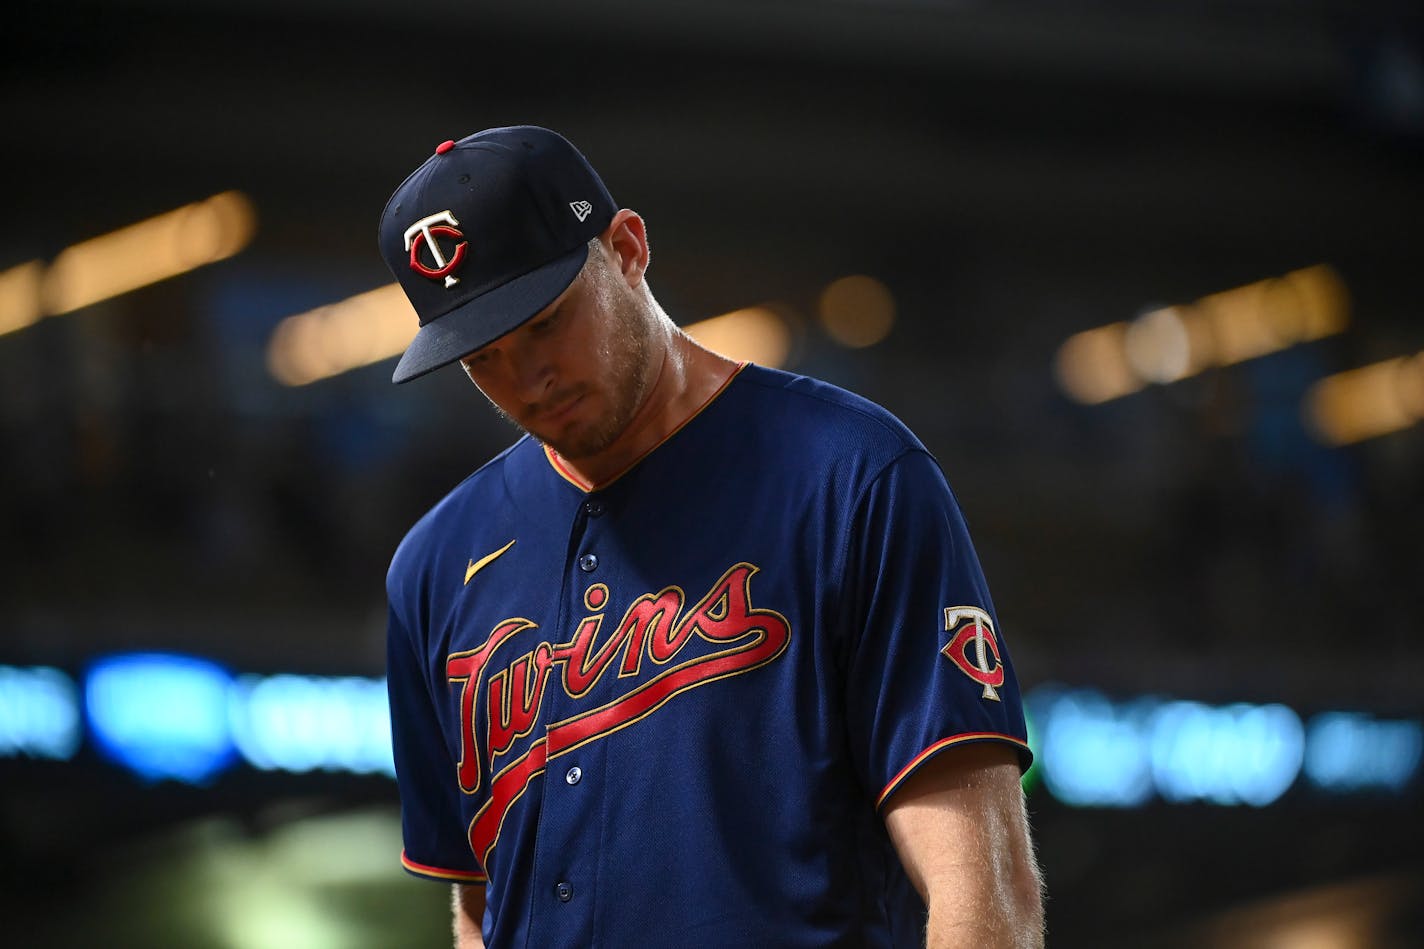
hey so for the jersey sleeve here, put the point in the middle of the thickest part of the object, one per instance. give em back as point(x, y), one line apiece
point(436, 845)
point(928, 667)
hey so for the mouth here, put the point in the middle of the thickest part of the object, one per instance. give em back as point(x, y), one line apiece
point(562, 411)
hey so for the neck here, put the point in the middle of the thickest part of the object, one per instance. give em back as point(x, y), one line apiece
point(685, 378)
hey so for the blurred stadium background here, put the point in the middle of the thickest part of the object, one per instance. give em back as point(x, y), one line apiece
point(1146, 277)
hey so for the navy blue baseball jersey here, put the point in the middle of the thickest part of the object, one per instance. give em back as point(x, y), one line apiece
point(668, 711)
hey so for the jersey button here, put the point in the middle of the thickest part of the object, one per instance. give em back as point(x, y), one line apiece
point(588, 563)
point(594, 508)
point(564, 892)
point(574, 775)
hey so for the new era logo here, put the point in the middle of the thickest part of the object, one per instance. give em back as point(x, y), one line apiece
point(582, 209)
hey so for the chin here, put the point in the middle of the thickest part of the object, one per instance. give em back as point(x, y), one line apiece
point(581, 441)
point(575, 449)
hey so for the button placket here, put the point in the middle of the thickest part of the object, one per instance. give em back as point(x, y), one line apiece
point(568, 843)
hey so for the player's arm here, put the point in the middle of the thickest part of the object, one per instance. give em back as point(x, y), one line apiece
point(961, 830)
point(468, 903)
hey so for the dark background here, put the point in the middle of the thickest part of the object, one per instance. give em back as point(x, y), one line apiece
point(1014, 172)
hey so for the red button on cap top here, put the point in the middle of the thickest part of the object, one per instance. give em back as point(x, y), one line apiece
point(444, 147)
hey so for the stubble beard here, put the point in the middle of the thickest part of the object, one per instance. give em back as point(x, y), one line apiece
point(624, 360)
point(625, 380)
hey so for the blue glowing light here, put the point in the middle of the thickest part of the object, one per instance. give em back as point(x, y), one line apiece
point(302, 723)
point(1100, 753)
point(161, 716)
point(39, 713)
point(180, 717)
point(1352, 751)
point(1093, 753)
point(1236, 754)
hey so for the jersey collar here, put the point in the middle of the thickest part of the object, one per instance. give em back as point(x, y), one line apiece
point(562, 469)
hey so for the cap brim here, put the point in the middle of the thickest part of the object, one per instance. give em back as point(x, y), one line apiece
point(488, 316)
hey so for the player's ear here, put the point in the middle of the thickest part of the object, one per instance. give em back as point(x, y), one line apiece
point(627, 240)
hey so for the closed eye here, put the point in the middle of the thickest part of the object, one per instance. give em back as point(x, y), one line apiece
point(546, 324)
point(478, 358)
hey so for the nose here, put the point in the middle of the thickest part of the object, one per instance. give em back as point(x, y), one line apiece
point(533, 373)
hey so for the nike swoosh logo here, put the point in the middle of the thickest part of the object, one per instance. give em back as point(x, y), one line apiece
point(477, 565)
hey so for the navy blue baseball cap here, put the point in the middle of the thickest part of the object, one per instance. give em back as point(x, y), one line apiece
point(486, 234)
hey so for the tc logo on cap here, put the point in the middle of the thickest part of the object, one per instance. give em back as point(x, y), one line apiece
point(424, 232)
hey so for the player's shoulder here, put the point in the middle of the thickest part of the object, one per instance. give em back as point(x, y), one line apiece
point(485, 489)
point(823, 416)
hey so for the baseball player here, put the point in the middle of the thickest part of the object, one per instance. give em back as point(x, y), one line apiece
point(706, 658)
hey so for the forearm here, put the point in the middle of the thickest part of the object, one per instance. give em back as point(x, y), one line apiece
point(1009, 918)
point(972, 934)
point(962, 833)
point(996, 902)
point(468, 907)
point(1003, 906)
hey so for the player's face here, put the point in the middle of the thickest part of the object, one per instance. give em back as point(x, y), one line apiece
point(575, 375)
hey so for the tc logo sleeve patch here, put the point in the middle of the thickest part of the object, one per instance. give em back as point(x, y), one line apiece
point(973, 631)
